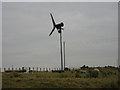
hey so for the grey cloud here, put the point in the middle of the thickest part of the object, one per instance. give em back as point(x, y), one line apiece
point(90, 33)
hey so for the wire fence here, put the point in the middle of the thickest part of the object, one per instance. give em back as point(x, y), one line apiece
point(28, 69)
point(39, 69)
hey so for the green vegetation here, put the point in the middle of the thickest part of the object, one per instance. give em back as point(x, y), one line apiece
point(85, 78)
point(0, 80)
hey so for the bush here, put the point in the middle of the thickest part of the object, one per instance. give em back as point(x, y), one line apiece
point(59, 71)
point(18, 80)
point(63, 75)
point(104, 74)
point(11, 76)
point(16, 75)
point(93, 74)
point(77, 75)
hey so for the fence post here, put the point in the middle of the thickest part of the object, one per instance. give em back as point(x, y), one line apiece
point(37, 69)
point(22, 68)
point(12, 68)
point(43, 69)
point(8, 69)
point(19, 69)
point(4, 69)
point(29, 69)
point(40, 69)
point(46, 69)
point(33, 68)
point(49, 69)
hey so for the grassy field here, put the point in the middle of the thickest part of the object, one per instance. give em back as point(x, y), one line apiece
point(0, 80)
point(105, 78)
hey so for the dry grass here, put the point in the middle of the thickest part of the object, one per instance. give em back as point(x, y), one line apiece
point(61, 80)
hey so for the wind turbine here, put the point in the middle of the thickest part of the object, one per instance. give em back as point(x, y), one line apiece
point(59, 29)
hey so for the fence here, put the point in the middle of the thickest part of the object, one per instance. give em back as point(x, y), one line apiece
point(27, 69)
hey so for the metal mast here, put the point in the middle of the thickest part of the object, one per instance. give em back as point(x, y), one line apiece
point(61, 49)
point(64, 53)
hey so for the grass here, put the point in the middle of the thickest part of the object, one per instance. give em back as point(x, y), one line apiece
point(0, 80)
point(106, 78)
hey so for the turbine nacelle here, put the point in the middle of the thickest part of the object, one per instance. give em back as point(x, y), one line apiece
point(62, 24)
point(57, 26)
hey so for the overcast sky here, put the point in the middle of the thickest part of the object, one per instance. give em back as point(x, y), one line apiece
point(91, 34)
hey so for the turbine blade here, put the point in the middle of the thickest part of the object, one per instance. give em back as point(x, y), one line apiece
point(52, 19)
point(52, 31)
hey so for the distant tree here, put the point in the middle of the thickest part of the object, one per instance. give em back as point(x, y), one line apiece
point(83, 67)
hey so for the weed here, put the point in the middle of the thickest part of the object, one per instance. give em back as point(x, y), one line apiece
point(93, 74)
point(16, 74)
point(77, 75)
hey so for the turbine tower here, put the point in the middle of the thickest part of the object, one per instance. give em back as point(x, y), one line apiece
point(59, 29)
point(64, 53)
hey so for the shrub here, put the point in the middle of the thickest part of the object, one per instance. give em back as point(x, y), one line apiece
point(93, 73)
point(63, 75)
point(77, 75)
point(16, 75)
point(67, 69)
point(104, 74)
point(11, 76)
point(31, 79)
point(18, 80)
point(59, 71)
